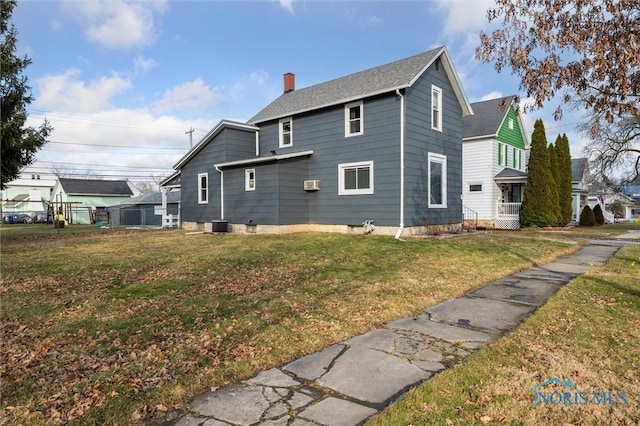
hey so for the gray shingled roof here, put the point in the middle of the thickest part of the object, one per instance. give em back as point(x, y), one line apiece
point(487, 117)
point(95, 187)
point(154, 198)
point(382, 79)
point(508, 173)
point(577, 168)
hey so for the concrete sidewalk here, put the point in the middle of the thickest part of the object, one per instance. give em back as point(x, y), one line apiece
point(347, 383)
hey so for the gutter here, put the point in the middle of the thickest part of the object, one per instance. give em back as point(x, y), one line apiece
point(258, 160)
point(402, 143)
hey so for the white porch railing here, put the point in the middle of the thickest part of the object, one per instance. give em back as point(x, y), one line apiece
point(508, 215)
point(171, 221)
point(508, 209)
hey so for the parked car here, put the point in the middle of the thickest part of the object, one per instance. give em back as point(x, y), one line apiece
point(17, 218)
point(39, 217)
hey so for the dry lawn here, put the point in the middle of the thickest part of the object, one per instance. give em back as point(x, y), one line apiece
point(117, 328)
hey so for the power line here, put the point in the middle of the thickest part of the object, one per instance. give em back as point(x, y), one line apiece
point(68, 118)
point(115, 146)
point(101, 165)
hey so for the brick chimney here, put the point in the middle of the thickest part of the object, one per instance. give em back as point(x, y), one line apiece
point(289, 82)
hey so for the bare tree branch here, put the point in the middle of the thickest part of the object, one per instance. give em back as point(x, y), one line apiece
point(586, 48)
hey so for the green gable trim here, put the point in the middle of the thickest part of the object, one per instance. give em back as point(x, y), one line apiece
point(513, 136)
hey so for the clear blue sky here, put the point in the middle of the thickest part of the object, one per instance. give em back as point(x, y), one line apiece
point(122, 81)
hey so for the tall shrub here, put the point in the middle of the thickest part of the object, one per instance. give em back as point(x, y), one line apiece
point(540, 191)
point(587, 218)
point(598, 215)
point(555, 174)
point(564, 179)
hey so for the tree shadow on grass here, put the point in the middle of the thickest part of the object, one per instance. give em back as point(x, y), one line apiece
point(619, 287)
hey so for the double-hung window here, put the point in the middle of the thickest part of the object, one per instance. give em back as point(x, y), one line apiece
point(436, 108)
point(353, 119)
point(437, 181)
point(355, 178)
point(250, 180)
point(285, 132)
point(203, 188)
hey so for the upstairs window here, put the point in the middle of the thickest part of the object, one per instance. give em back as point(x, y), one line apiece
point(436, 108)
point(353, 123)
point(285, 132)
point(250, 180)
point(355, 178)
point(203, 188)
point(437, 178)
point(511, 124)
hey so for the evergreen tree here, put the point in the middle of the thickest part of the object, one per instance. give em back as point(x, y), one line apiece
point(598, 215)
point(555, 173)
point(587, 218)
point(564, 181)
point(19, 142)
point(540, 191)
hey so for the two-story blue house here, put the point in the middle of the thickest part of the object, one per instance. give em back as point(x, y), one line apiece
point(384, 144)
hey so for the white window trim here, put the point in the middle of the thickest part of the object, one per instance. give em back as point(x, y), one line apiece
point(343, 167)
point(442, 159)
point(438, 91)
point(281, 134)
point(200, 188)
point(347, 121)
point(248, 181)
point(510, 123)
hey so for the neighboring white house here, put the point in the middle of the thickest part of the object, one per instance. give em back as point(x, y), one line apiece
point(580, 179)
point(495, 152)
point(609, 197)
point(29, 193)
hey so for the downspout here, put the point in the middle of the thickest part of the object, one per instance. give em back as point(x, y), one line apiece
point(402, 141)
point(221, 192)
point(257, 143)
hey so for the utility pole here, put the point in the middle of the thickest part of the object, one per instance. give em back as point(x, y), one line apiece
point(190, 133)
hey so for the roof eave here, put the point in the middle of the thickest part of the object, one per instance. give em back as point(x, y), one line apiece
point(222, 124)
point(455, 81)
point(473, 138)
point(163, 182)
point(258, 160)
point(330, 104)
point(511, 179)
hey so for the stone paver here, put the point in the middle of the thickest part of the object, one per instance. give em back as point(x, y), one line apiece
point(346, 383)
point(486, 314)
point(523, 290)
point(338, 412)
point(385, 375)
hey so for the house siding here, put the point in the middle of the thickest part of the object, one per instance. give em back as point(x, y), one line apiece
point(421, 140)
point(228, 145)
point(509, 136)
point(323, 132)
point(476, 171)
point(278, 198)
point(259, 205)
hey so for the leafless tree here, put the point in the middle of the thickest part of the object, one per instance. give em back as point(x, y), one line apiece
point(147, 187)
point(614, 147)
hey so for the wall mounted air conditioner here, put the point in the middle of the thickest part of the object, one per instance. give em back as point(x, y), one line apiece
point(311, 185)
